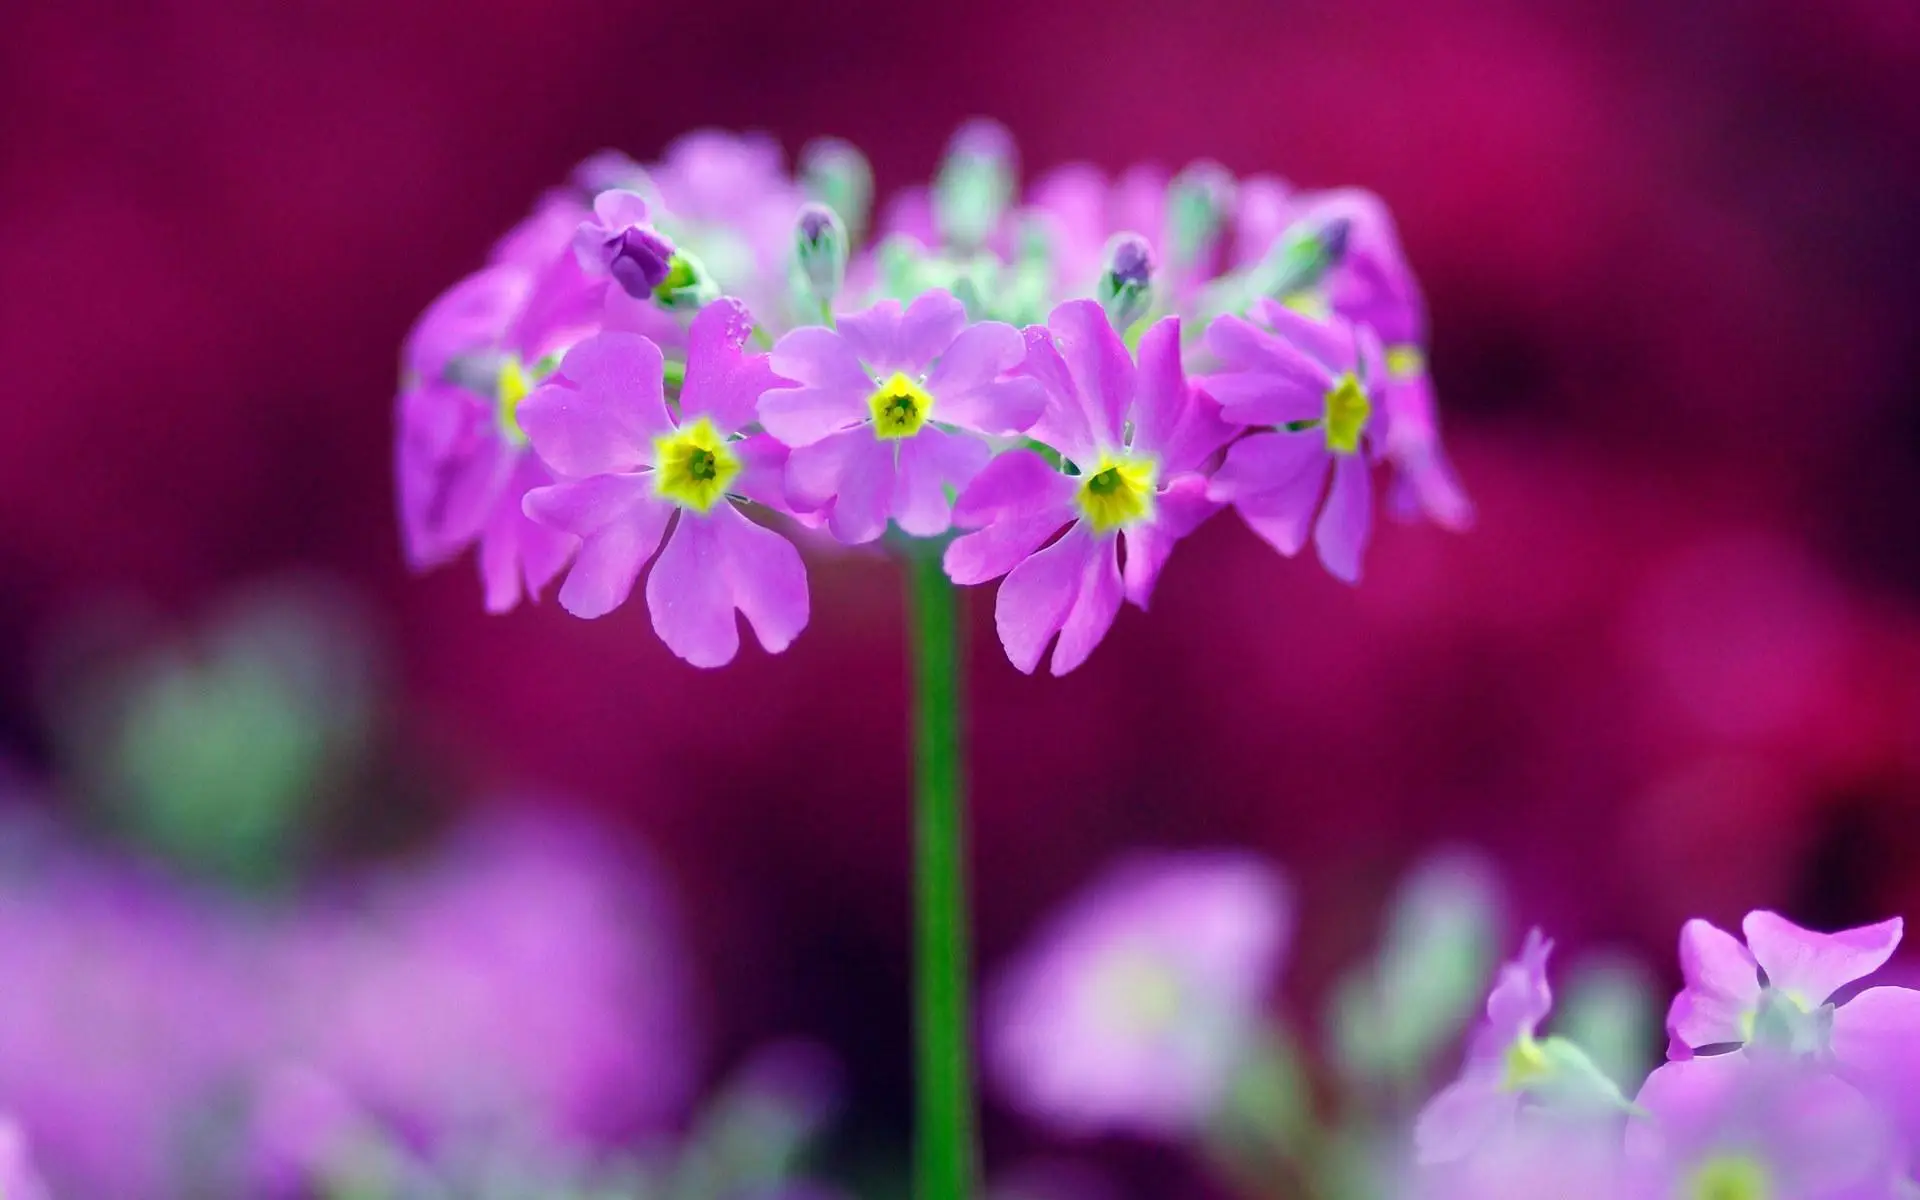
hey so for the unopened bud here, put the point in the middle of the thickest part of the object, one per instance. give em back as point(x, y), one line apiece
point(687, 285)
point(1199, 199)
point(1303, 256)
point(1126, 284)
point(639, 258)
point(836, 174)
point(820, 251)
point(975, 184)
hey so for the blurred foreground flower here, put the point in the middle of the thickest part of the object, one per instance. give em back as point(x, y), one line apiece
point(1134, 1009)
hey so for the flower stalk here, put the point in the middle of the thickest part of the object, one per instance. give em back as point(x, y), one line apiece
point(945, 1158)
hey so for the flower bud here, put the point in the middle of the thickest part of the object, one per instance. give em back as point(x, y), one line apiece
point(1199, 200)
point(639, 258)
point(1302, 257)
point(975, 184)
point(1126, 284)
point(820, 252)
point(836, 174)
point(687, 285)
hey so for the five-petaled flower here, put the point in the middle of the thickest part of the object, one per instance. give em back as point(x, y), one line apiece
point(1133, 439)
point(636, 474)
point(891, 411)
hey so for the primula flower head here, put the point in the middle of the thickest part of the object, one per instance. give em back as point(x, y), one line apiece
point(1133, 437)
point(1134, 1008)
point(635, 475)
point(1008, 364)
point(888, 412)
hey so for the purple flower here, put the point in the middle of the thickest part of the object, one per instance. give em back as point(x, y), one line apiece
point(889, 410)
point(1316, 387)
point(620, 242)
point(1137, 436)
point(1872, 1039)
point(525, 980)
point(631, 468)
point(1135, 1006)
point(1513, 1080)
point(461, 460)
point(1371, 283)
point(1749, 1126)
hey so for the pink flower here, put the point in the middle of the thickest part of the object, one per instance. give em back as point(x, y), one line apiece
point(631, 469)
point(889, 411)
point(1132, 439)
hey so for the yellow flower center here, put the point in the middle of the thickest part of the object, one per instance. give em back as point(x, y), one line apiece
point(1346, 414)
point(1307, 303)
point(1406, 361)
point(1729, 1178)
point(900, 407)
point(1118, 492)
point(1526, 1064)
point(1141, 992)
point(508, 391)
point(693, 465)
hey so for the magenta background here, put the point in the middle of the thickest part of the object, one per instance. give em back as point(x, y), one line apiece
point(1671, 249)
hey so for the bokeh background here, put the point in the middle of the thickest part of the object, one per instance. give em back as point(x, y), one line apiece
point(1671, 254)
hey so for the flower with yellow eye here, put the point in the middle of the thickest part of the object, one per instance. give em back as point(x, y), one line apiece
point(1313, 388)
point(889, 411)
point(630, 468)
point(1135, 436)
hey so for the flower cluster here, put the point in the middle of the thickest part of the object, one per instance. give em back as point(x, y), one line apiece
point(1784, 1079)
point(1146, 1007)
point(690, 362)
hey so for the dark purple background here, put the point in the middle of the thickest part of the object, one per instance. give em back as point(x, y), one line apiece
point(1671, 250)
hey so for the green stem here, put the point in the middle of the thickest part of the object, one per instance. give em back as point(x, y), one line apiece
point(944, 1157)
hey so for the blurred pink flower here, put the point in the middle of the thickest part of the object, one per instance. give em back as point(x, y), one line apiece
point(1133, 1009)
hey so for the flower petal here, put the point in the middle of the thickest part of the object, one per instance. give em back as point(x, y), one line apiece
point(611, 558)
point(1102, 370)
point(1463, 1117)
point(1264, 398)
point(927, 329)
point(1721, 993)
point(968, 387)
point(865, 494)
point(763, 471)
point(690, 594)
point(1346, 523)
point(518, 556)
point(724, 381)
point(1094, 608)
point(583, 507)
point(1162, 395)
point(1330, 343)
point(1062, 423)
point(932, 462)
point(603, 413)
point(449, 469)
point(1016, 483)
point(1813, 966)
point(1876, 1046)
point(768, 579)
point(991, 552)
point(1037, 596)
point(814, 471)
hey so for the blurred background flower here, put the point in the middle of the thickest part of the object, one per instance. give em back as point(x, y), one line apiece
point(1673, 671)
